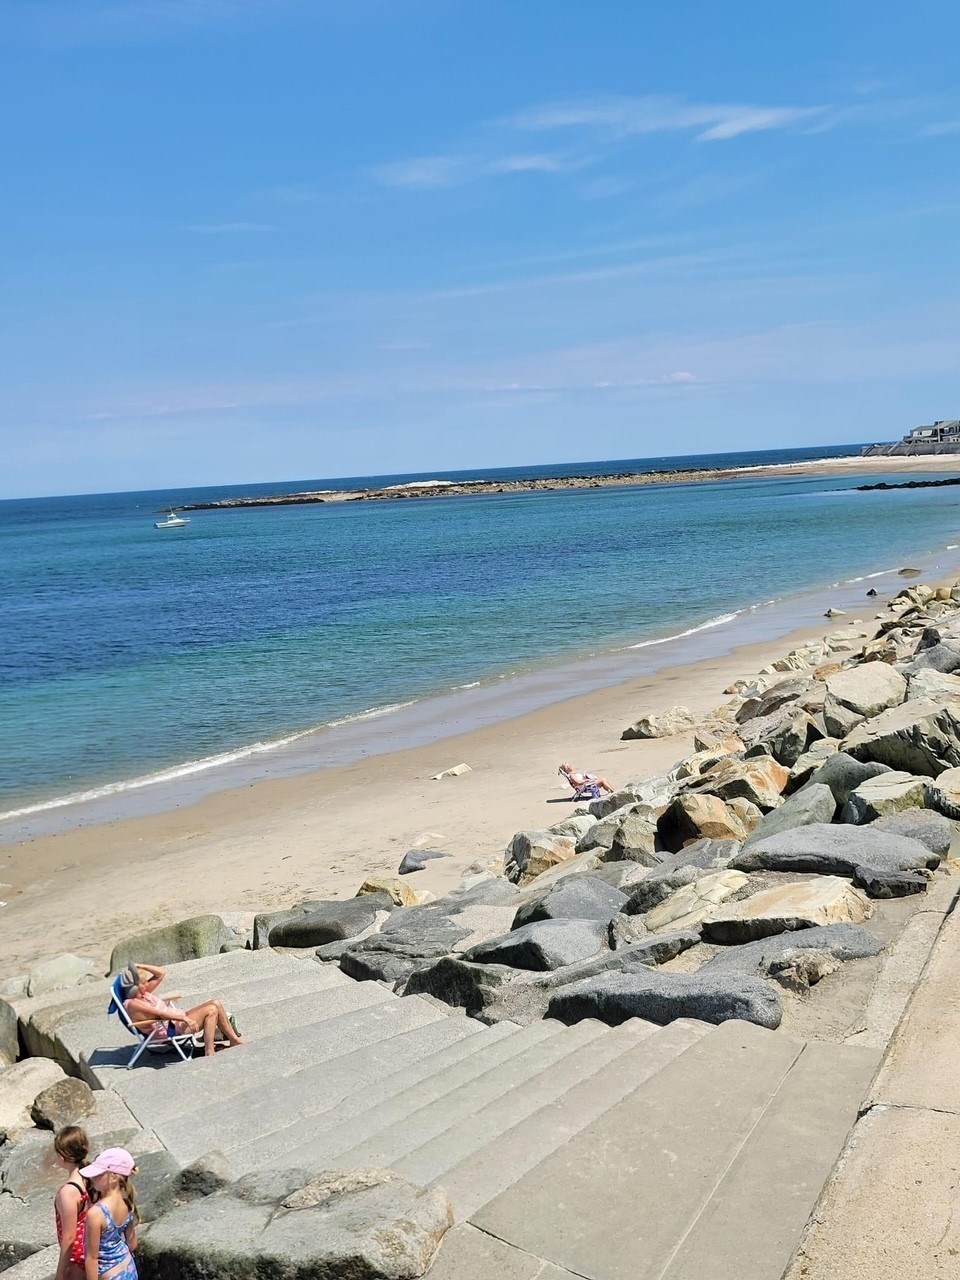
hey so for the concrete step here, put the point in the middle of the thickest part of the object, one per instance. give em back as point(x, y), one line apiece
point(615, 1201)
point(429, 1161)
point(443, 1113)
point(194, 1084)
point(476, 1178)
point(468, 1254)
point(753, 1222)
point(286, 1017)
point(38, 1266)
point(254, 1124)
point(367, 1112)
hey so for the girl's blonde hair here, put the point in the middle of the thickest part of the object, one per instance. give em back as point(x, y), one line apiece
point(129, 1193)
point(71, 1143)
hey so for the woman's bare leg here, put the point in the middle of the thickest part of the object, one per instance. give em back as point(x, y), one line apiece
point(221, 1022)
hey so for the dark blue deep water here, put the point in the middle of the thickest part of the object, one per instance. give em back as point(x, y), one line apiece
point(126, 651)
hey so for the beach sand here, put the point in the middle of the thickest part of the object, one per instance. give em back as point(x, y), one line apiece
point(276, 842)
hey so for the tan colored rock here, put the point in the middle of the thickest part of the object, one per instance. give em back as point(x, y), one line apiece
point(886, 794)
point(800, 905)
point(665, 725)
point(747, 813)
point(530, 853)
point(400, 890)
point(867, 689)
point(760, 780)
point(694, 903)
point(943, 793)
point(935, 685)
point(693, 817)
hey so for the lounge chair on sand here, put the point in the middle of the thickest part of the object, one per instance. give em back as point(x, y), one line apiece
point(586, 786)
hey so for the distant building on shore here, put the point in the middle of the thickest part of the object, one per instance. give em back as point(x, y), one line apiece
point(942, 436)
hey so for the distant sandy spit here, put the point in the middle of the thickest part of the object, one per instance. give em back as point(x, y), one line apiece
point(437, 488)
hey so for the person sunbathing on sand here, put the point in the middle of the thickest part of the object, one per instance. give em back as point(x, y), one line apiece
point(140, 982)
point(578, 780)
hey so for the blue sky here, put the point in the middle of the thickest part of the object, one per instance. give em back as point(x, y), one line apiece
point(280, 239)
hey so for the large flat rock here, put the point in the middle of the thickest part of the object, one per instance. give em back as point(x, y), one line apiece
point(823, 901)
point(917, 737)
point(835, 850)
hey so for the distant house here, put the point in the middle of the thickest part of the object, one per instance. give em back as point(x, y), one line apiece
point(937, 433)
point(942, 436)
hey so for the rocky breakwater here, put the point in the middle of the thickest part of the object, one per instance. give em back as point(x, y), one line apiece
point(821, 795)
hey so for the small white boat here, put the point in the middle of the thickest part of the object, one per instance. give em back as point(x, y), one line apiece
point(173, 521)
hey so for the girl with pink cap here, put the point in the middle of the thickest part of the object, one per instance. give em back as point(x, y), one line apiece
point(111, 1224)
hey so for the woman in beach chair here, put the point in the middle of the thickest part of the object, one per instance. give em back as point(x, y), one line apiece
point(139, 984)
point(586, 786)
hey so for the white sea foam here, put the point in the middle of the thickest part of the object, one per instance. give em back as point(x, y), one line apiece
point(718, 621)
point(178, 772)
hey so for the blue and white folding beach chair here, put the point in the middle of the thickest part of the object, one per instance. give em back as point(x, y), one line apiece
point(153, 1040)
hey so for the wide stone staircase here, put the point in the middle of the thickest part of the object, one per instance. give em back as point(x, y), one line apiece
point(627, 1153)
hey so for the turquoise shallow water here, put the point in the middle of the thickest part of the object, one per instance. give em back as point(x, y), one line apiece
point(126, 651)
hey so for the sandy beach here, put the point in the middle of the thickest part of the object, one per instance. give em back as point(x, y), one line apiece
point(275, 842)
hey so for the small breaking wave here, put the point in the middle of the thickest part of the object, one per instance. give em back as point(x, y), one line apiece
point(202, 765)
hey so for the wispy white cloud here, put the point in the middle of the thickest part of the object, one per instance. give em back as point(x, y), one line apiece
point(630, 117)
point(430, 172)
point(229, 228)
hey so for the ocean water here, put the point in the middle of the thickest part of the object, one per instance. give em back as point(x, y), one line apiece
point(128, 653)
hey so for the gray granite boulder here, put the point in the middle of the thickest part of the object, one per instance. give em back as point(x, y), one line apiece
point(634, 839)
point(545, 944)
point(657, 887)
point(889, 884)
point(842, 941)
point(813, 804)
point(835, 850)
point(917, 737)
point(344, 1224)
point(496, 992)
point(663, 997)
point(943, 657)
point(600, 834)
point(59, 972)
point(417, 859)
point(577, 898)
point(931, 829)
point(842, 774)
point(332, 921)
point(185, 940)
point(413, 936)
point(265, 921)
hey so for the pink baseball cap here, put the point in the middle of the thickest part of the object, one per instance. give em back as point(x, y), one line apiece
point(113, 1160)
